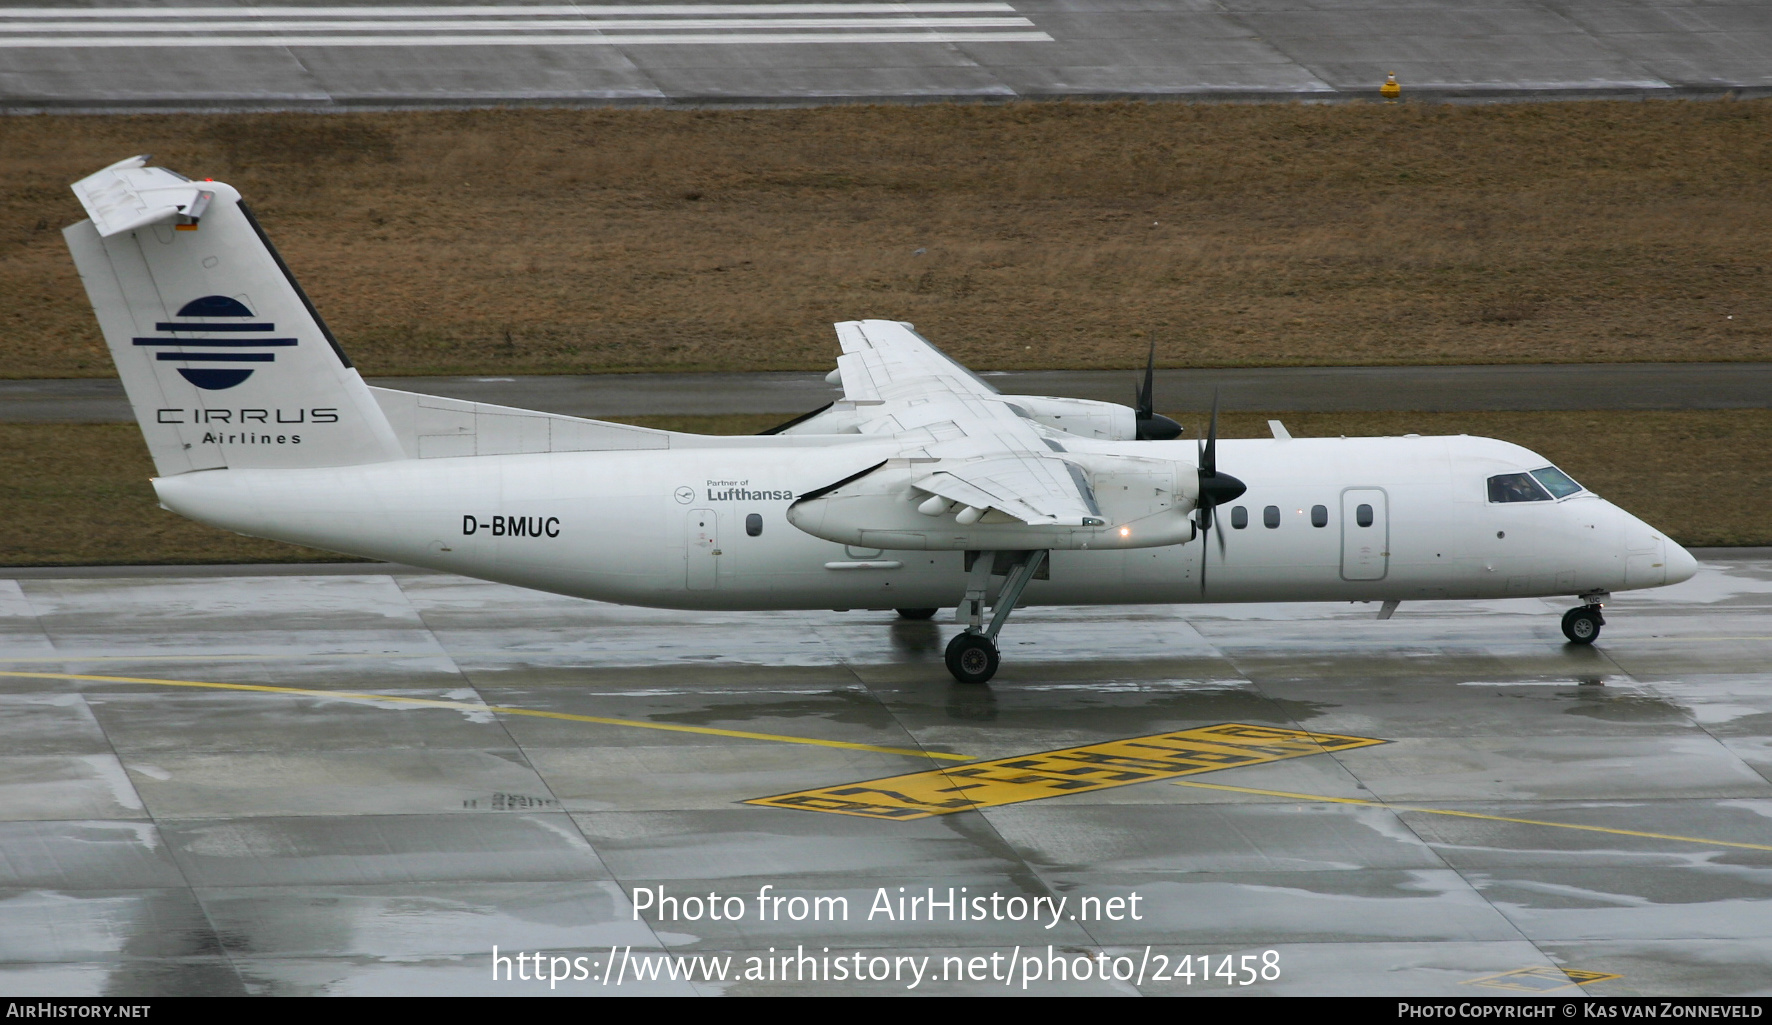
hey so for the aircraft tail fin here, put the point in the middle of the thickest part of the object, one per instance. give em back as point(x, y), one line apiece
point(225, 361)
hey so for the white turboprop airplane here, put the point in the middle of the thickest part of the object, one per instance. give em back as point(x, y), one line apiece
point(921, 488)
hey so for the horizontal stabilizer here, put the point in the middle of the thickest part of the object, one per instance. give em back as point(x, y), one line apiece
point(128, 195)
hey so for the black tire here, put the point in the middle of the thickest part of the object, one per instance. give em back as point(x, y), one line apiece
point(1582, 625)
point(972, 658)
point(917, 613)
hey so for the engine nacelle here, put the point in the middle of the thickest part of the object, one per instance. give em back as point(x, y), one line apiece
point(1144, 503)
point(1085, 418)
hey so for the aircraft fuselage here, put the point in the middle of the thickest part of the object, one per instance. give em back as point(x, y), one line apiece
point(669, 528)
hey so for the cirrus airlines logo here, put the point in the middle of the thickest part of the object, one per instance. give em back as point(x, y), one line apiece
point(210, 323)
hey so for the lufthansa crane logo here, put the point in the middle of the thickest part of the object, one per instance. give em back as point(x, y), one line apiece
point(217, 322)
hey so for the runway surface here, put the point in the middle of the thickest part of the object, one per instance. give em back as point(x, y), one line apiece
point(165, 57)
point(1426, 389)
point(201, 791)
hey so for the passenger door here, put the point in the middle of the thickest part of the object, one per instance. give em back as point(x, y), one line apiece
point(1365, 534)
point(701, 549)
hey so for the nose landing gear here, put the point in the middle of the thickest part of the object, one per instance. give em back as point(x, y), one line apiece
point(1582, 623)
point(972, 656)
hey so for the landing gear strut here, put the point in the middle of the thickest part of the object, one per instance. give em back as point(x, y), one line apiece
point(972, 656)
point(1582, 623)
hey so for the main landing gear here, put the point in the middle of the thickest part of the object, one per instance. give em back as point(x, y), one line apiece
point(1582, 623)
point(972, 656)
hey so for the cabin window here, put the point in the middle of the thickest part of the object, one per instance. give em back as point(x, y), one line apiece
point(1270, 517)
point(1239, 517)
point(1319, 516)
point(753, 524)
point(1363, 515)
point(1516, 487)
point(1558, 483)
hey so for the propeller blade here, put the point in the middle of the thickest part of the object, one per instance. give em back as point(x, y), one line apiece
point(1215, 489)
point(1145, 408)
point(1217, 529)
point(1202, 566)
point(1209, 454)
point(1148, 423)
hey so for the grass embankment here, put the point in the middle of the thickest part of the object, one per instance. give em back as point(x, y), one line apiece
point(77, 494)
point(1020, 236)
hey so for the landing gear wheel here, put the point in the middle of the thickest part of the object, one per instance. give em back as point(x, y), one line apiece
point(1582, 624)
point(917, 613)
point(972, 658)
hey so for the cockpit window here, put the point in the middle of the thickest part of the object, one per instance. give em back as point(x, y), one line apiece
point(1515, 487)
point(1558, 483)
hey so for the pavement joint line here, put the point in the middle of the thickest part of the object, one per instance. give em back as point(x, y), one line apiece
point(1685, 637)
point(1471, 815)
point(498, 709)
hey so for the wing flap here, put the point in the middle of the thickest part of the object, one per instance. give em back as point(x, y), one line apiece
point(1037, 490)
point(859, 386)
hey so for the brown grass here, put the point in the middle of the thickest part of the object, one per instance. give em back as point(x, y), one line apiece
point(77, 494)
point(1056, 235)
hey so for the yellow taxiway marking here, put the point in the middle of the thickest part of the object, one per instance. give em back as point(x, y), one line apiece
point(1473, 815)
point(1696, 637)
point(65, 657)
point(943, 791)
point(1030, 777)
point(464, 706)
point(1540, 979)
point(302, 656)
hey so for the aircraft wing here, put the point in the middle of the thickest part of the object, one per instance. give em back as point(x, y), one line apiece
point(884, 360)
point(977, 449)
